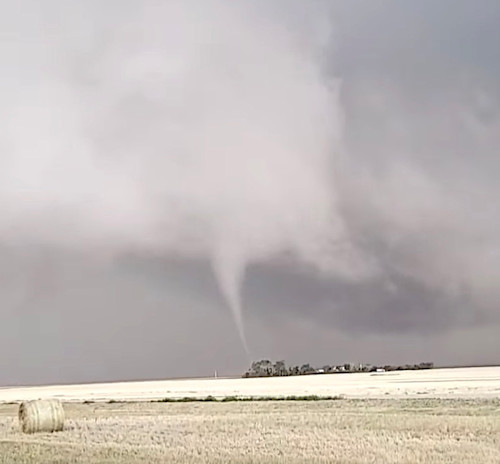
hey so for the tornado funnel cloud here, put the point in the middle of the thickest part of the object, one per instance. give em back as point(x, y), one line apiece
point(229, 270)
point(202, 130)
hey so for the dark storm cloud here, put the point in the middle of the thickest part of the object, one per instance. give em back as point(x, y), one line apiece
point(421, 93)
point(366, 216)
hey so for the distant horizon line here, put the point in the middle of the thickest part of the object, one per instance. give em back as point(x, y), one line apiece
point(147, 380)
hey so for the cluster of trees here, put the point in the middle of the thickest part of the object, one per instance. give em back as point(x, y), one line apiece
point(266, 368)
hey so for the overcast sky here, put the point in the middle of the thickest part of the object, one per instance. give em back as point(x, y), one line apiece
point(316, 180)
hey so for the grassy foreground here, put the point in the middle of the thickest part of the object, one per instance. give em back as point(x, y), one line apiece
point(341, 431)
point(230, 399)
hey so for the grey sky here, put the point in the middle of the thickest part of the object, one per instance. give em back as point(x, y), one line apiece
point(337, 162)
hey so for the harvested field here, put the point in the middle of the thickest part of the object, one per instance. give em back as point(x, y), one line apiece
point(436, 416)
point(476, 382)
point(341, 431)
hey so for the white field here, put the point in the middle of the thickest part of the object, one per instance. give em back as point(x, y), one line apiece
point(474, 382)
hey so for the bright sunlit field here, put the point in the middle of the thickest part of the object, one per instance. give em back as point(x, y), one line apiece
point(338, 431)
point(438, 416)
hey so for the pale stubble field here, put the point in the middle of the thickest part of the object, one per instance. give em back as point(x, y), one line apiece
point(339, 431)
point(457, 426)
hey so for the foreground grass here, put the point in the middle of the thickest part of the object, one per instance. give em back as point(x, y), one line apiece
point(342, 431)
point(231, 399)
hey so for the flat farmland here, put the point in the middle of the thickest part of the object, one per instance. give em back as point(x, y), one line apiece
point(441, 416)
point(297, 432)
point(476, 382)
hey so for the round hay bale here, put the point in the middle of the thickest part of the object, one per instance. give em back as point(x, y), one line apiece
point(41, 416)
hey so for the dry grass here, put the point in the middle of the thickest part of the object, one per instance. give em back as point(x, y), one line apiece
point(342, 431)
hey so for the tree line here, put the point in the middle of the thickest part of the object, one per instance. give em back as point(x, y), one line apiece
point(266, 368)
